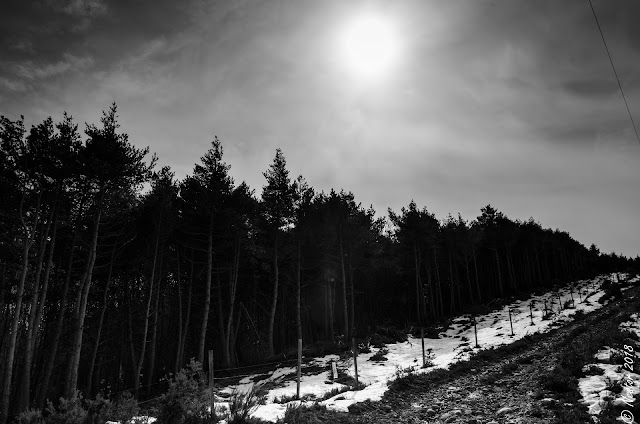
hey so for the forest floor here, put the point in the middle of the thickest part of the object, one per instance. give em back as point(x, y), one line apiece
point(533, 380)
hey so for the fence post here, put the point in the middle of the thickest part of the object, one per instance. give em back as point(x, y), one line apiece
point(211, 397)
point(355, 360)
point(475, 329)
point(580, 294)
point(511, 322)
point(531, 311)
point(573, 302)
point(424, 360)
point(299, 367)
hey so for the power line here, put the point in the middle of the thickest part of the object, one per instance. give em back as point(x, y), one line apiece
point(614, 70)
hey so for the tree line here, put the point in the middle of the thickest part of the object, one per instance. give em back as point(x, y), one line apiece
point(114, 273)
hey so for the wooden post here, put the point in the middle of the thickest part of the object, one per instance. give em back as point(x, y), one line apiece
point(475, 329)
point(299, 367)
point(580, 294)
point(334, 370)
point(355, 359)
point(573, 302)
point(560, 303)
point(545, 308)
point(424, 359)
point(211, 397)
point(510, 322)
point(531, 311)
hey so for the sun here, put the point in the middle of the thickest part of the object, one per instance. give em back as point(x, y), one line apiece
point(368, 46)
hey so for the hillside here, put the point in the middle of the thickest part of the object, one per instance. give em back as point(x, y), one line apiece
point(534, 364)
point(534, 380)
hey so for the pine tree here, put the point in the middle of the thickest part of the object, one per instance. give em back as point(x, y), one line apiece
point(278, 200)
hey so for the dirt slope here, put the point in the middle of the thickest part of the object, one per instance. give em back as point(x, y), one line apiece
point(530, 381)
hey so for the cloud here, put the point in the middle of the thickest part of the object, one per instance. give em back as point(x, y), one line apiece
point(12, 85)
point(85, 8)
point(31, 71)
point(591, 88)
point(21, 45)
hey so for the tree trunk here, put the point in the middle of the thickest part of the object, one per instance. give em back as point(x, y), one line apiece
point(207, 299)
point(232, 299)
point(221, 327)
point(475, 268)
point(37, 302)
point(44, 384)
point(500, 288)
point(45, 283)
point(352, 316)
point(514, 283)
point(81, 308)
point(452, 293)
point(416, 260)
point(274, 302)
point(154, 332)
point(179, 286)
point(8, 374)
point(344, 293)
point(466, 264)
point(185, 329)
point(438, 283)
point(140, 361)
point(96, 345)
point(432, 304)
point(298, 291)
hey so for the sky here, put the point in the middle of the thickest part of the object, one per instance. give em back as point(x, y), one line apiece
point(511, 103)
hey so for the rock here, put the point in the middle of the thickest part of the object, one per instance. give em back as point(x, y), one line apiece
point(451, 414)
point(430, 412)
point(504, 410)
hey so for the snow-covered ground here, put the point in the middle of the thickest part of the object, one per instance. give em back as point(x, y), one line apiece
point(595, 388)
point(454, 344)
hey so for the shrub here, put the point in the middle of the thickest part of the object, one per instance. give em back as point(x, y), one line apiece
point(186, 401)
point(77, 410)
point(611, 291)
point(579, 315)
point(314, 414)
point(30, 416)
point(364, 348)
point(68, 411)
point(97, 409)
point(428, 360)
point(242, 405)
point(509, 368)
point(285, 398)
point(380, 355)
point(123, 409)
point(406, 378)
point(594, 370)
point(559, 381)
point(574, 358)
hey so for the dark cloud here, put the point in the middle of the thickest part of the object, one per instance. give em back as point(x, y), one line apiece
point(83, 8)
point(510, 102)
point(592, 88)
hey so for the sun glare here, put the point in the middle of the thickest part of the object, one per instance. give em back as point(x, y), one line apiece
point(368, 46)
